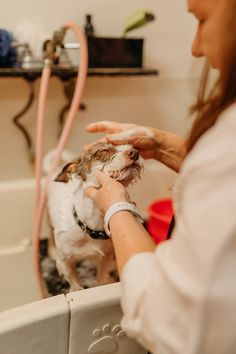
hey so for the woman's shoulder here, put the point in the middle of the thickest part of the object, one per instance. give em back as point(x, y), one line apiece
point(213, 159)
point(218, 144)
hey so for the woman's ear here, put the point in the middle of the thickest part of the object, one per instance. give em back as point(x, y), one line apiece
point(65, 175)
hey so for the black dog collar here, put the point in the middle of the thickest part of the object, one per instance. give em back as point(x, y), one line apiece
point(97, 235)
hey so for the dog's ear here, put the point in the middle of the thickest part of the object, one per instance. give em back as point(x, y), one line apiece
point(65, 175)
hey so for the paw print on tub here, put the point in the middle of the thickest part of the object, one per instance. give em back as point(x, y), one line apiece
point(106, 339)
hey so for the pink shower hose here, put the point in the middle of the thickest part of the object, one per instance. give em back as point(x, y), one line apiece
point(40, 197)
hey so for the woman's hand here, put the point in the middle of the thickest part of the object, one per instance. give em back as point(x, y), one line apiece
point(142, 138)
point(128, 235)
point(109, 193)
point(152, 143)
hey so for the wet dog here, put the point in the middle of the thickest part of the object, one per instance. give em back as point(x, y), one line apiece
point(78, 226)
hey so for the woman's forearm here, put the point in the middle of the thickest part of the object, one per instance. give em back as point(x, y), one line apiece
point(129, 237)
point(171, 149)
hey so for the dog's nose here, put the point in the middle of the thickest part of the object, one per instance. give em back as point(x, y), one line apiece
point(133, 154)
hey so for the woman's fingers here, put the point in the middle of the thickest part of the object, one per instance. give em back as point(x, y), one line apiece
point(106, 126)
point(99, 175)
point(137, 141)
point(102, 177)
point(102, 140)
point(109, 192)
point(103, 127)
point(142, 138)
point(91, 192)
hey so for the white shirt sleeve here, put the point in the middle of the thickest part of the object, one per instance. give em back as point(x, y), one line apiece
point(182, 298)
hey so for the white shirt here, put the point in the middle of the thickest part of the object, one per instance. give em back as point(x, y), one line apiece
point(182, 298)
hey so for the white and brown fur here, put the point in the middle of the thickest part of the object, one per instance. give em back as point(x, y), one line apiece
point(67, 191)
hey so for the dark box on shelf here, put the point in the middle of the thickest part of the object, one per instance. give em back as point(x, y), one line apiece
point(115, 52)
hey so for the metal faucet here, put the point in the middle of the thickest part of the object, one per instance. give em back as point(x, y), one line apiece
point(54, 48)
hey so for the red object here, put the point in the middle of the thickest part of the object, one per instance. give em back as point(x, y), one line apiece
point(160, 214)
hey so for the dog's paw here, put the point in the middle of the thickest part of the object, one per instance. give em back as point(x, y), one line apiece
point(106, 339)
point(76, 288)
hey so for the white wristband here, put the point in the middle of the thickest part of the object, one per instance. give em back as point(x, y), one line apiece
point(118, 207)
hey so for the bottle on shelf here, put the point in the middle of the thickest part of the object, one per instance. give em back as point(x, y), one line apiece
point(88, 28)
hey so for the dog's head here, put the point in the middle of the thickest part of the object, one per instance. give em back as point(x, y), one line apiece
point(121, 162)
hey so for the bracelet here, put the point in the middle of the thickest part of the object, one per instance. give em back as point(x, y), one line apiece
point(114, 208)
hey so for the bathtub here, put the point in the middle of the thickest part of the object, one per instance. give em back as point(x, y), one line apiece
point(87, 321)
point(76, 323)
point(16, 269)
point(16, 218)
point(82, 322)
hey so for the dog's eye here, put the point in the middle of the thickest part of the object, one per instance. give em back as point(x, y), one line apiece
point(104, 155)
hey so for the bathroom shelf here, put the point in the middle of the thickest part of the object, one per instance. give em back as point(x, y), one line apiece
point(67, 77)
point(122, 72)
point(68, 73)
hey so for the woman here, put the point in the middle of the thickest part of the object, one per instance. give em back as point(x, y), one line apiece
point(180, 297)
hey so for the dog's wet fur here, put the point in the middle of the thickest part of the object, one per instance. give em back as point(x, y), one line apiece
point(66, 193)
